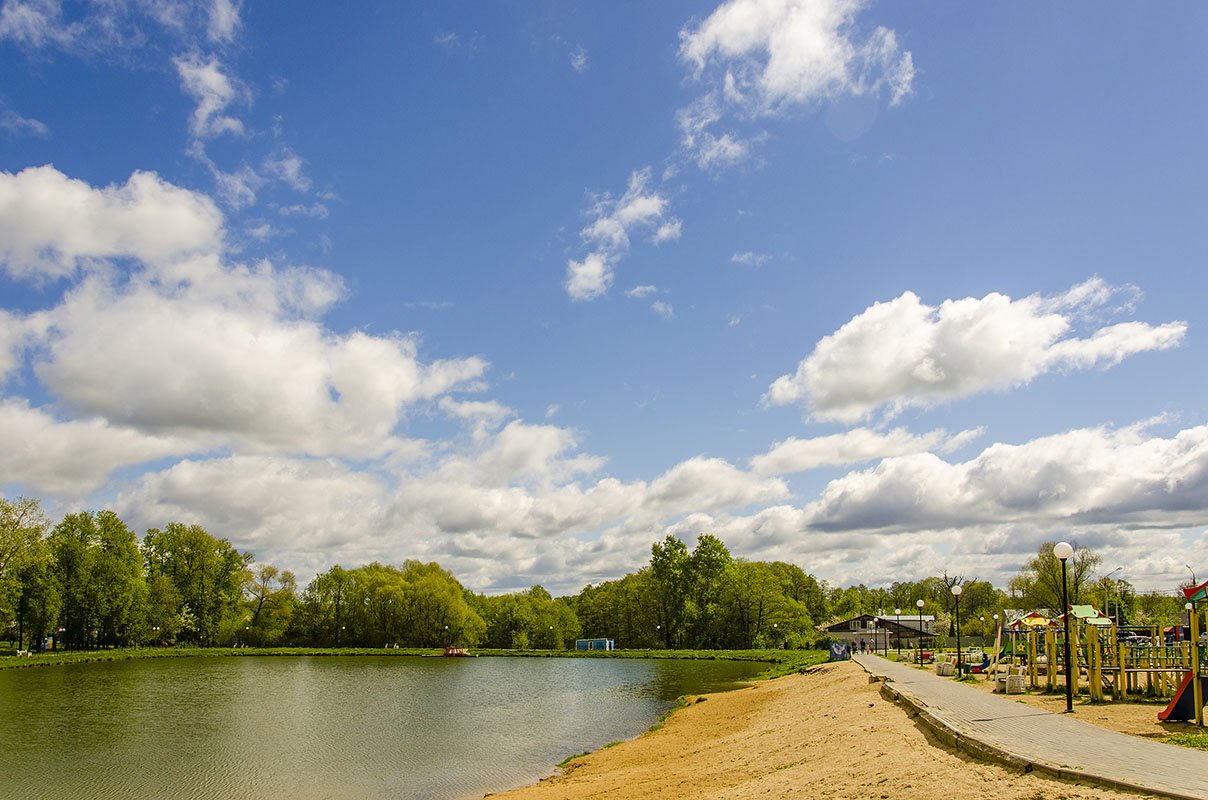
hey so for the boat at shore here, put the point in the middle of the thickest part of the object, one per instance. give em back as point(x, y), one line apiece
point(453, 652)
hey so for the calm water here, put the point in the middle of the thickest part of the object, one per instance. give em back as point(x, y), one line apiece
point(323, 727)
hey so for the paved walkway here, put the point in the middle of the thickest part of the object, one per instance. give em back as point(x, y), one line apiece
point(1027, 737)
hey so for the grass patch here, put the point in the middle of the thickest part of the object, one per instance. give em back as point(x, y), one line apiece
point(1199, 741)
point(780, 662)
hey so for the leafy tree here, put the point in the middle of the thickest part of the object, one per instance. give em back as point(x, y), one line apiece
point(271, 596)
point(1038, 584)
point(669, 565)
point(208, 574)
point(22, 527)
point(707, 571)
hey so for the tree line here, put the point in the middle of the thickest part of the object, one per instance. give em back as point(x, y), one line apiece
point(90, 582)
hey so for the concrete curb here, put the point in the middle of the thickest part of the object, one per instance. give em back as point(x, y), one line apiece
point(986, 751)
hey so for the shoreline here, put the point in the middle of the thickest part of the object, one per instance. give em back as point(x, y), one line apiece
point(780, 662)
point(819, 733)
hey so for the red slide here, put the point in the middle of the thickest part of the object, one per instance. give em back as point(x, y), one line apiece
point(1182, 705)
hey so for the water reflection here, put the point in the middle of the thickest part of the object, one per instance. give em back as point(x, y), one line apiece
point(323, 727)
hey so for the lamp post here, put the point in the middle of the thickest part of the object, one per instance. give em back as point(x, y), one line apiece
point(1197, 693)
point(897, 621)
point(1106, 604)
point(1189, 569)
point(919, 603)
point(956, 592)
point(1064, 552)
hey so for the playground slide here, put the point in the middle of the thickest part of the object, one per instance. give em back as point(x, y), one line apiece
point(1182, 705)
point(985, 665)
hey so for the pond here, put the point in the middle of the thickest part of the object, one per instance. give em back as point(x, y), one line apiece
point(312, 727)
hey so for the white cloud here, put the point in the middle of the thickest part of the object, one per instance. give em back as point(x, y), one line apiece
point(796, 52)
point(1083, 477)
point(669, 231)
point(904, 353)
point(314, 210)
point(304, 513)
point(765, 57)
point(224, 21)
point(608, 234)
point(289, 167)
point(71, 457)
point(183, 343)
point(214, 90)
point(578, 59)
point(238, 366)
point(853, 447)
point(589, 278)
point(18, 125)
point(750, 259)
point(237, 189)
point(50, 224)
point(35, 23)
point(664, 310)
point(641, 291)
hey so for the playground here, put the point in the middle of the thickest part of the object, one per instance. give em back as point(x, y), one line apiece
point(1150, 671)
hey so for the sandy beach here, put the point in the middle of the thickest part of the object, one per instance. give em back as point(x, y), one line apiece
point(827, 733)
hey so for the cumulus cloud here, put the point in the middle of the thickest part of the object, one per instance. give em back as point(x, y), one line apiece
point(854, 446)
point(50, 224)
point(1135, 497)
point(608, 234)
point(206, 80)
point(184, 342)
point(504, 510)
point(308, 513)
point(644, 290)
point(664, 310)
point(796, 52)
point(71, 457)
point(904, 353)
point(1084, 476)
point(766, 57)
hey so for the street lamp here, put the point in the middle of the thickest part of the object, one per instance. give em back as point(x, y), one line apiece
point(919, 603)
point(1193, 580)
point(956, 592)
point(897, 621)
point(1197, 691)
point(1064, 552)
point(1106, 604)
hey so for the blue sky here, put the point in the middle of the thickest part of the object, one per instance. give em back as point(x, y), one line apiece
point(881, 289)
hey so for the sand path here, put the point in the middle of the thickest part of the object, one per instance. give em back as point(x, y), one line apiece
point(825, 734)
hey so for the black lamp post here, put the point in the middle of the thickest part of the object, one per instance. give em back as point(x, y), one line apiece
point(897, 620)
point(1064, 552)
point(956, 592)
point(919, 603)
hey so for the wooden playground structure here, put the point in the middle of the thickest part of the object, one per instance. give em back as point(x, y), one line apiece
point(1109, 668)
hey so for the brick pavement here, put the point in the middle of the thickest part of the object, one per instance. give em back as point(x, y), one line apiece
point(1002, 729)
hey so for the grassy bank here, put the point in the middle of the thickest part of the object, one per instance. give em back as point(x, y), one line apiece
point(780, 662)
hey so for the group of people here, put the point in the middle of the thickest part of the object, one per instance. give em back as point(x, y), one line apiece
point(863, 647)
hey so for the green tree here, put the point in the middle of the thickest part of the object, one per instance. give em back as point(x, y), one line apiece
point(22, 527)
point(669, 565)
point(707, 571)
point(208, 574)
point(1038, 584)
